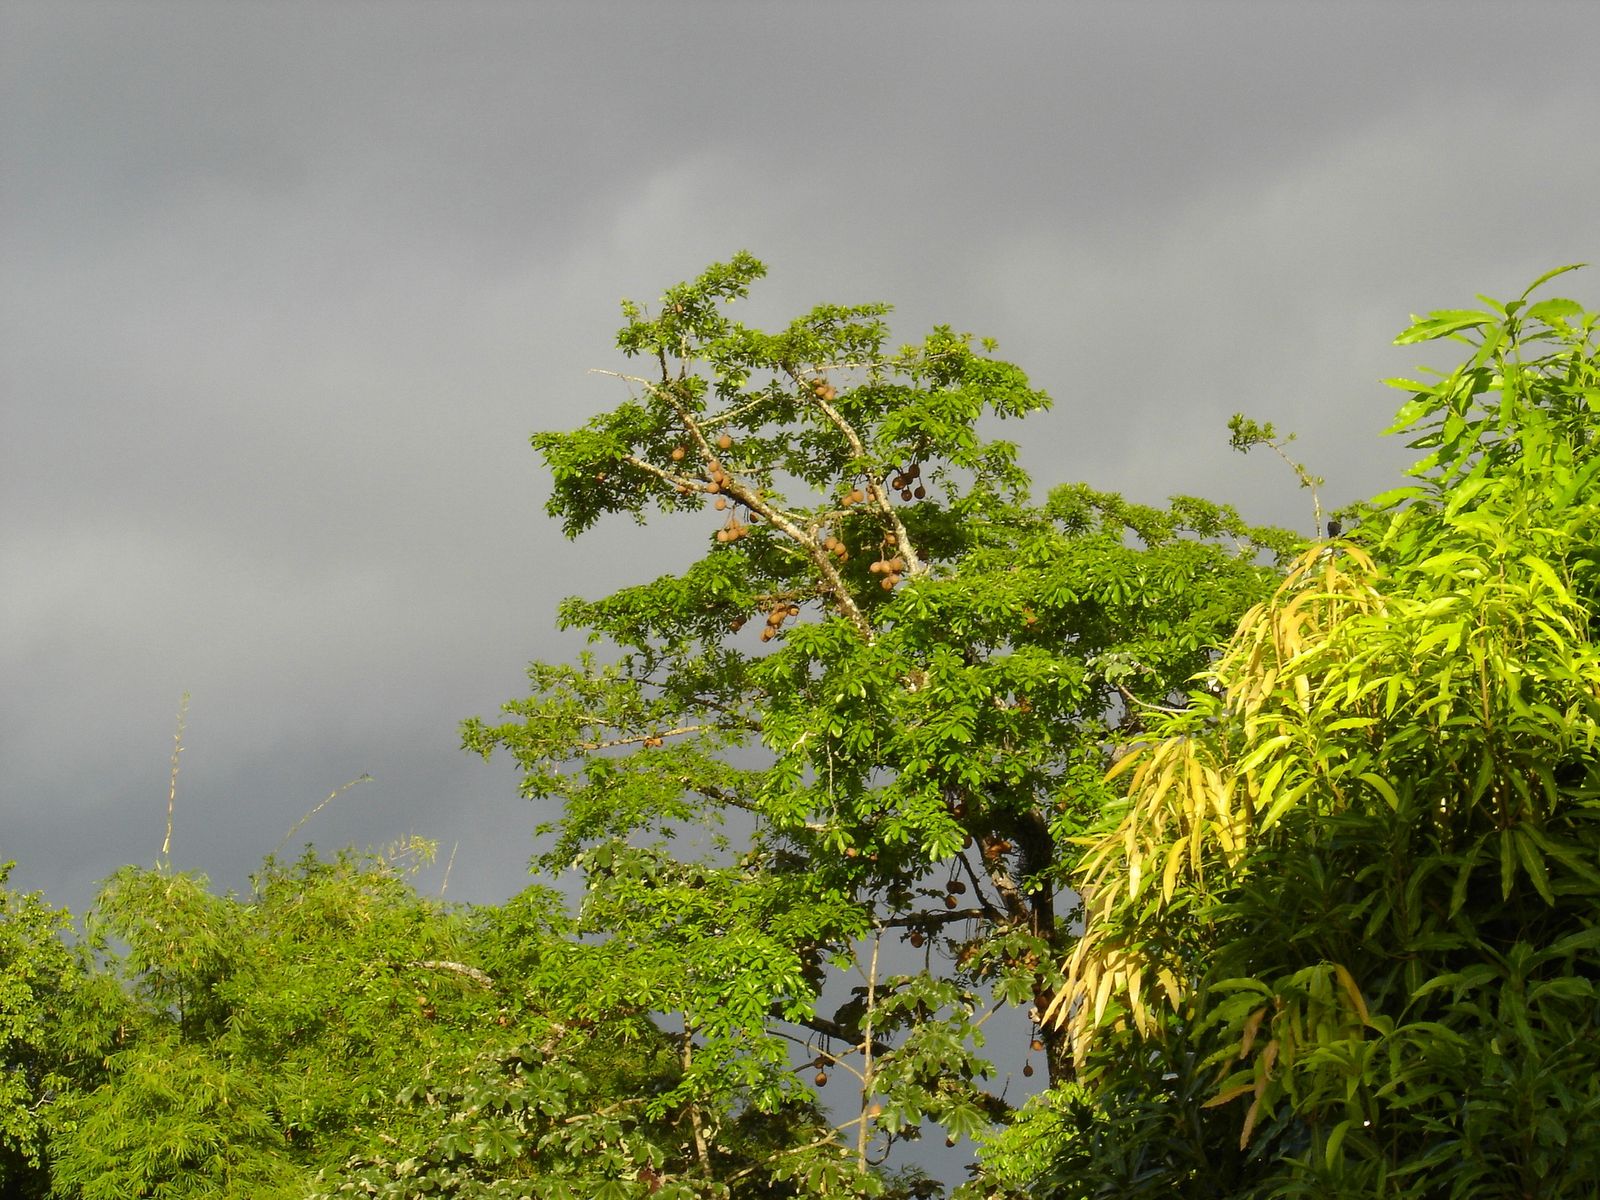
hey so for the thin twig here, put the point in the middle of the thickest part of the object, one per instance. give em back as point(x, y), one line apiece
point(172, 790)
point(449, 865)
point(338, 791)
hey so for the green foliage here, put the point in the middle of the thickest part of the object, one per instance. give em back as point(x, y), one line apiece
point(1355, 893)
point(892, 675)
point(281, 1038)
point(55, 1021)
point(172, 1121)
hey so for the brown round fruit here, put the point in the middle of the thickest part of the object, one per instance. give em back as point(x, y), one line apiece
point(722, 503)
point(950, 902)
point(919, 492)
point(678, 453)
point(821, 1079)
point(1027, 1070)
point(724, 442)
point(957, 886)
point(1036, 1044)
point(905, 493)
point(917, 938)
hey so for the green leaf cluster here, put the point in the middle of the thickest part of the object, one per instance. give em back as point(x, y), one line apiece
point(1342, 938)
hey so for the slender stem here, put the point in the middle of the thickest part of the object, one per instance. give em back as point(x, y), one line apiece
point(172, 791)
point(864, 1130)
point(700, 1149)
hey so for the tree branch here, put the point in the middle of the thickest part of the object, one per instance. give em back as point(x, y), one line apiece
point(479, 977)
point(819, 387)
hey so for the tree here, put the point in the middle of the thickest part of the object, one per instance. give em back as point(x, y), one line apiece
point(1344, 937)
point(334, 1033)
point(893, 677)
point(55, 1023)
point(269, 1040)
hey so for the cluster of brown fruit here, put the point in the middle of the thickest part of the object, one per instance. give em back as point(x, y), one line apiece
point(821, 1064)
point(854, 496)
point(890, 569)
point(835, 547)
point(776, 618)
point(824, 390)
point(1035, 1043)
point(733, 530)
point(906, 483)
point(653, 742)
point(953, 889)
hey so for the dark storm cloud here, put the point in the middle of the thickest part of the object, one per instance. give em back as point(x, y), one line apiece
point(286, 287)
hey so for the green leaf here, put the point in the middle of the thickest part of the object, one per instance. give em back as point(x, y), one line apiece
point(1442, 324)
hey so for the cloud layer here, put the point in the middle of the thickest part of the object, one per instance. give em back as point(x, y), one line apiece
point(287, 287)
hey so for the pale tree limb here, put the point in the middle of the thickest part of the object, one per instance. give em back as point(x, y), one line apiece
point(479, 977)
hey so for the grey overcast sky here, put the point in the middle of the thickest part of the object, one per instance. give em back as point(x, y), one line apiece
point(284, 288)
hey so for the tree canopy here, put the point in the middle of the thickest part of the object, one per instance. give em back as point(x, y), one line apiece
point(1281, 856)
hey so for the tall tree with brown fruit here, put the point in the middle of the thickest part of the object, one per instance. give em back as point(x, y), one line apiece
point(896, 680)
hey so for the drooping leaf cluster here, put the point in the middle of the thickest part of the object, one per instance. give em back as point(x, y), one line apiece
point(1343, 938)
